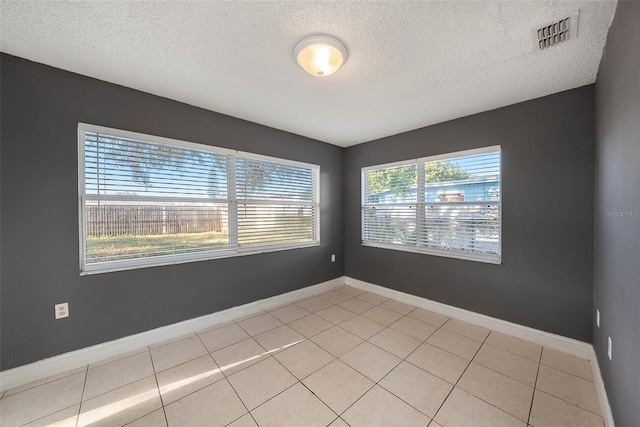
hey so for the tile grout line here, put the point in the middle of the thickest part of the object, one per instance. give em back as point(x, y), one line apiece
point(118, 359)
point(155, 375)
point(334, 359)
point(84, 388)
point(53, 413)
point(234, 389)
point(417, 367)
point(4, 393)
point(377, 383)
point(460, 377)
point(568, 373)
point(535, 387)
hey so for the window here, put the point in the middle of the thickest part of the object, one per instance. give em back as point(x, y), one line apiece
point(146, 200)
point(447, 205)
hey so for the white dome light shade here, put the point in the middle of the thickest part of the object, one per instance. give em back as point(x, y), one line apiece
point(320, 56)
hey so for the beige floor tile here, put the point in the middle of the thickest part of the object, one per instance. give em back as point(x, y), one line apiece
point(467, 329)
point(336, 341)
point(50, 398)
point(417, 387)
point(382, 315)
point(313, 304)
point(338, 422)
point(509, 364)
point(215, 405)
point(172, 340)
point(568, 387)
point(154, 419)
point(310, 325)
point(363, 327)
point(122, 405)
point(223, 337)
point(350, 290)
point(395, 342)
point(515, 345)
point(216, 326)
point(304, 358)
point(66, 418)
point(294, 407)
point(244, 421)
point(398, 307)
point(414, 328)
point(116, 374)
point(44, 381)
point(356, 305)
point(440, 363)
point(501, 391)
point(184, 379)
point(259, 324)
point(173, 354)
point(249, 316)
point(455, 343)
point(338, 385)
point(279, 339)
point(119, 357)
point(239, 356)
point(289, 313)
point(428, 316)
point(567, 363)
point(462, 409)
point(260, 382)
point(378, 407)
point(374, 299)
point(371, 361)
point(334, 297)
point(550, 411)
point(335, 314)
point(434, 424)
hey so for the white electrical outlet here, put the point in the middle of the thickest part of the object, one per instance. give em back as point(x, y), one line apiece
point(333, 257)
point(609, 349)
point(597, 318)
point(62, 310)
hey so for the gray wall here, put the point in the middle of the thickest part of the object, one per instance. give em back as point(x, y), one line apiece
point(545, 280)
point(41, 107)
point(617, 238)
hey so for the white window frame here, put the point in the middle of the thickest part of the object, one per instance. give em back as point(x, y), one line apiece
point(420, 205)
point(154, 261)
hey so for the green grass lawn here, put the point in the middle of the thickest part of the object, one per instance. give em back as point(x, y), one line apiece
point(111, 248)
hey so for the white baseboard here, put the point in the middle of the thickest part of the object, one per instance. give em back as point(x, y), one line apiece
point(558, 342)
point(605, 407)
point(55, 365)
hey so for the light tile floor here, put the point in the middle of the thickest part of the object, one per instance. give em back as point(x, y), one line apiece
point(342, 358)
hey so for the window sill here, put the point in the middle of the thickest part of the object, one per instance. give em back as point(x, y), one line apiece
point(113, 266)
point(489, 259)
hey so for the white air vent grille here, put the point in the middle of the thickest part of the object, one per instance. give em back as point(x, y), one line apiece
point(556, 32)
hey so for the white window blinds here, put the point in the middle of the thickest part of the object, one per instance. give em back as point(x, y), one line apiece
point(147, 200)
point(447, 205)
point(277, 203)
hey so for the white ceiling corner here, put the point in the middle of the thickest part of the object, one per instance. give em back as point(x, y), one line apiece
point(411, 64)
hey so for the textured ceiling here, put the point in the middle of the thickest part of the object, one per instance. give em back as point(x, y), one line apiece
point(411, 64)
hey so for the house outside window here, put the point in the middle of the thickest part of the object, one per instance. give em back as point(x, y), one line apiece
point(447, 205)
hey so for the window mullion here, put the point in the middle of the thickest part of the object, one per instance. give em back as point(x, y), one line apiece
point(233, 203)
point(420, 204)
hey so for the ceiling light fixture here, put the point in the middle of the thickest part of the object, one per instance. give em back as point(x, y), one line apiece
point(320, 56)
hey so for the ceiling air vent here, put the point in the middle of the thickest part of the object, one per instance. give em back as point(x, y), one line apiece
point(555, 32)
